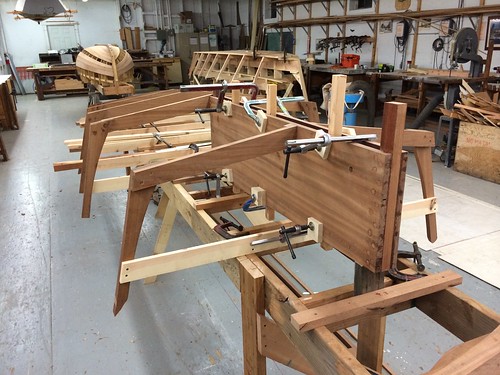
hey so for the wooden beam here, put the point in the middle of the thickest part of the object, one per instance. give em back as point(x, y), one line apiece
point(230, 202)
point(459, 313)
point(371, 330)
point(167, 225)
point(217, 157)
point(426, 206)
point(325, 353)
point(393, 123)
point(333, 295)
point(348, 312)
point(136, 209)
point(482, 357)
point(336, 105)
point(252, 305)
point(423, 156)
point(136, 269)
point(274, 345)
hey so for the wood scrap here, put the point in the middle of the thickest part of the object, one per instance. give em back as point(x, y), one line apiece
point(475, 107)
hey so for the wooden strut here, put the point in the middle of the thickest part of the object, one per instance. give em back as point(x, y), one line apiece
point(132, 112)
point(142, 183)
point(100, 122)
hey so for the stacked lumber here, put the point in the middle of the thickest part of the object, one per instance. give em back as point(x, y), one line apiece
point(475, 107)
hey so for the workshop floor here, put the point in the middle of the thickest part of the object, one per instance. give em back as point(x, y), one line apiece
point(59, 272)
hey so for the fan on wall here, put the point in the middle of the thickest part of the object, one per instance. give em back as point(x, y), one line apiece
point(40, 10)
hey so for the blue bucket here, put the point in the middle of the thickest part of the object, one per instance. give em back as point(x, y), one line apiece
point(350, 104)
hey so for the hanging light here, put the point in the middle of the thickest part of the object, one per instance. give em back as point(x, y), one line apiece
point(40, 10)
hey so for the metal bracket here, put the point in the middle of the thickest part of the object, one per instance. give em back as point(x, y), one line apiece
point(260, 117)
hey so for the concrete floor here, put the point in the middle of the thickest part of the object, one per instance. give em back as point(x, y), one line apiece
point(59, 271)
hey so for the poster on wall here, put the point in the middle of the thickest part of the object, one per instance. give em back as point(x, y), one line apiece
point(493, 33)
point(385, 27)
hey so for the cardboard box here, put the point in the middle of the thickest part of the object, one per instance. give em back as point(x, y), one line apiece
point(478, 151)
point(183, 28)
point(68, 84)
point(186, 17)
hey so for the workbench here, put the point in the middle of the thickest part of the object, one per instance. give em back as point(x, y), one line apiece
point(58, 80)
point(158, 71)
point(317, 75)
point(439, 80)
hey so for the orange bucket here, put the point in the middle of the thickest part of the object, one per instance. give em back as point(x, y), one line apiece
point(348, 60)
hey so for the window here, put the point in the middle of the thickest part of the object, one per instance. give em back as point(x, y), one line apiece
point(269, 10)
point(62, 35)
point(360, 4)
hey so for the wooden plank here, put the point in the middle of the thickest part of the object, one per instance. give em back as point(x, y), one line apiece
point(421, 207)
point(478, 151)
point(231, 202)
point(423, 157)
point(128, 38)
point(393, 123)
point(275, 345)
point(459, 313)
point(140, 268)
point(252, 303)
point(348, 312)
point(333, 295)
point(136, 209)
point(325, 353)
point(271, 103)
point(217, 157)
point(167, 225)
point(371, 330)
point(129, 160)
point(351, 170)
point(336, 105)
point(137, 38)
point(481, 358)
point(110, 184)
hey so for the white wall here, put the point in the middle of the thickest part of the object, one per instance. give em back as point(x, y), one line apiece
point(25, 39)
